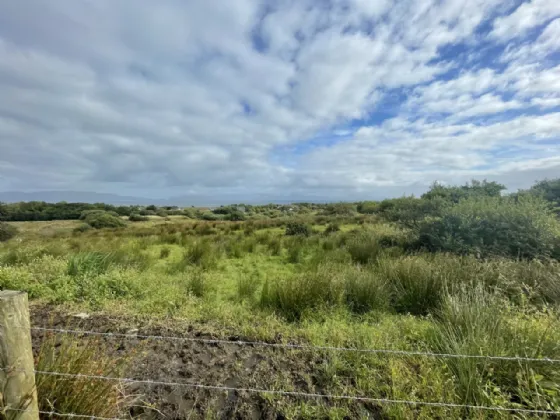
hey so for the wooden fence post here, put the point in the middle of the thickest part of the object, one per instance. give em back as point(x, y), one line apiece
point(17, 377)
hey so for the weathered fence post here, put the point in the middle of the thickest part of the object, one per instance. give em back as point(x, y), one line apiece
point(17, 379)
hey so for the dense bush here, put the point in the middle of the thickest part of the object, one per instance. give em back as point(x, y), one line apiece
point(135, 217)
point(235, 216)
point(549, 189)
point(7, 231)
point(455, 194)
point(410, 211)
point(493, 226)
point(209, 216)
point(368, 207)
point(104, 220)
point(332, 228)
point(297, 228)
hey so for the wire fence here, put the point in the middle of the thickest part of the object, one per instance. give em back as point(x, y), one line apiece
point(223, 388)
point(273, 392)
point(296, 346)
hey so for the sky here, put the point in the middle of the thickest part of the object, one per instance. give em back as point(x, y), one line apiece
point(249, 101)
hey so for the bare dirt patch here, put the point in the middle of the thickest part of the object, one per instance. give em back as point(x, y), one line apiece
point(189, 362)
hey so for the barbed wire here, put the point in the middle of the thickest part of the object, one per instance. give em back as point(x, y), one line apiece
point(55, 413)
point(298, 394)
point(297, 346)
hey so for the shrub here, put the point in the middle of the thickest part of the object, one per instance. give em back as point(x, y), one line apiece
point(297, 228)
point(135, 217)
point(84, 227)
point(520, 228)
point(453, 193)
point(368, 207)
point(332, 228)
point(209, 216)
point(7, 231)
point(104, 220)
point(235, 216)
point(410, 211)
point(86, 213)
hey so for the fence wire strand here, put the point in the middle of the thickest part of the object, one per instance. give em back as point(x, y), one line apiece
point(296, 346)
point(297, 394)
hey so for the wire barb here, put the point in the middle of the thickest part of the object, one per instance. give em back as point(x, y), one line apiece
point(299, 346)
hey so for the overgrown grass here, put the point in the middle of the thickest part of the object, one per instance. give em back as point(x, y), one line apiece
point(80, 396)
point(359, 286)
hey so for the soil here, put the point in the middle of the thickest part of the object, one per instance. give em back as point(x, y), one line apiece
point(190, 362)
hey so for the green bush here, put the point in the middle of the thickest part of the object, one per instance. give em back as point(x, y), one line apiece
point(84, 227)
point(332, 228)
point(410, 211)
point(7, 231)
point(210, 216)
point(104, 220)
point(485, 226)
point(297, 228)
point(235, 216)
point(454, 194)
point(135, 217)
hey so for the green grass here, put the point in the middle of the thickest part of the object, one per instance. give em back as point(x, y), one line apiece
point(356, 287)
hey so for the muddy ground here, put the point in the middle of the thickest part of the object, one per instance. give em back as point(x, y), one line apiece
point(199, 363)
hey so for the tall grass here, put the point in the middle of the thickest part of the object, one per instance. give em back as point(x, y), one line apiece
point(417, 285)
point(81, 396)
point(292, 296)
point(364, 247)
point(366, 290)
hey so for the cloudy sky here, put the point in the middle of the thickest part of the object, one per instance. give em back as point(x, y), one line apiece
point(246, 100)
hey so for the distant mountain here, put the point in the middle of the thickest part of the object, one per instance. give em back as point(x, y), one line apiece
point(75, 197)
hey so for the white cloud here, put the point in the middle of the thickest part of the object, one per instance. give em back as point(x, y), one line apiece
point(526, 17)
point(221, 98)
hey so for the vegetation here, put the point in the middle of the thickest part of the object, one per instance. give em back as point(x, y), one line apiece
point(7, 231)
point(101, 219)
point(463, 270)
point(135, 217)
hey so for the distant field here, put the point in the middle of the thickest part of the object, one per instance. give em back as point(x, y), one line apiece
point(345, 284)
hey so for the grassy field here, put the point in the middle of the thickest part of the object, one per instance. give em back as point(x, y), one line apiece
point(351, 284)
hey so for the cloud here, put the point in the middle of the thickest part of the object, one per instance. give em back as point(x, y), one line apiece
point(289, 99)
point(526, 17)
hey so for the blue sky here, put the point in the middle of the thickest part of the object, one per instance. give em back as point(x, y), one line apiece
point(252, 100)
